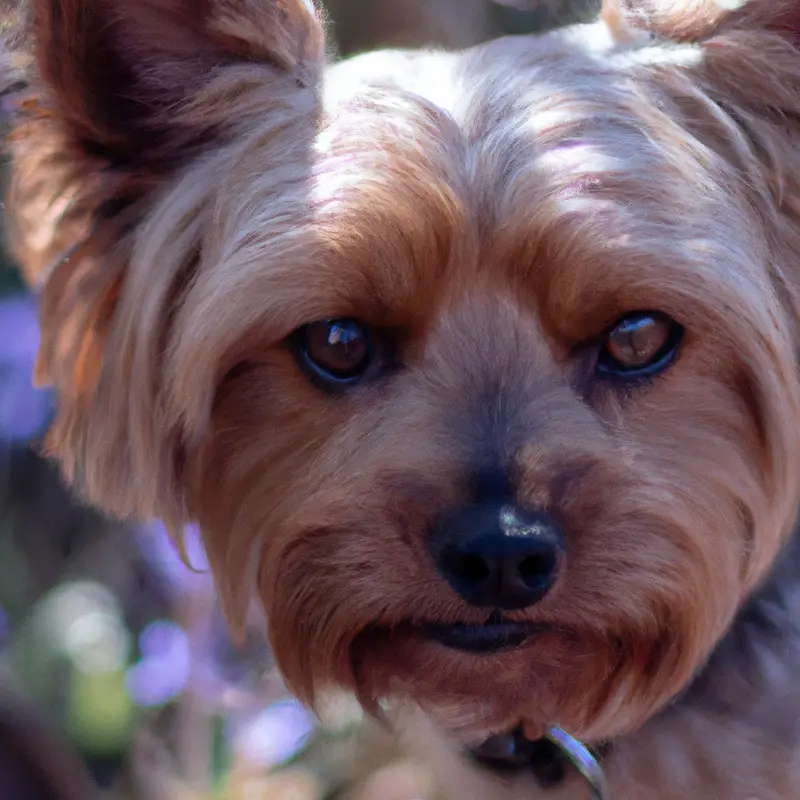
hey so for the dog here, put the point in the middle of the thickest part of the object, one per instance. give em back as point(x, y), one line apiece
point(477, 370)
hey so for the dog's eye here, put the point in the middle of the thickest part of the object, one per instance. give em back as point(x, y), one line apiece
point(639, 345)
point(335, 350)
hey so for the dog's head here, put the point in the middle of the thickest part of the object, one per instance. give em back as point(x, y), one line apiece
point(478, 370)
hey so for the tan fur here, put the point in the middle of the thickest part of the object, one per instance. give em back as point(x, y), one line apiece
point(215, 185)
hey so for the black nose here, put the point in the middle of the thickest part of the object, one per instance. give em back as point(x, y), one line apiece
point(497, 555)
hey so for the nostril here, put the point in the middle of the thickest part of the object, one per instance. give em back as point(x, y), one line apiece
point(469, 567)
point(536, 571)
point(473, 568)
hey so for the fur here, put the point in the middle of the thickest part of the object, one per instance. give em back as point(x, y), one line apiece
point(193, 181)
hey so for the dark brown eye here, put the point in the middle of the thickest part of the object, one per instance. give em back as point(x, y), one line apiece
point(336, 350)
point(639, 345)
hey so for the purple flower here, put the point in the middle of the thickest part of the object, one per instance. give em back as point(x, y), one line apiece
point(24, 410)
point(163, 671)
point(275, 735)
point(5, 626)
point(163, 555)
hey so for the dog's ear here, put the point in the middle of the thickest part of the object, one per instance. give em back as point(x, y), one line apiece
point(122, 72)
point(696, 20)
point(131, 117)
point(135, 88)
point(744, 53)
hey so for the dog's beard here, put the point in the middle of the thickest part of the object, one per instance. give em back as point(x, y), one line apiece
point(595, 677)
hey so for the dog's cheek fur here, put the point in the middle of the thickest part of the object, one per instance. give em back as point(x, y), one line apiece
point(135, 114)
point(738, 93)
point(671, 520)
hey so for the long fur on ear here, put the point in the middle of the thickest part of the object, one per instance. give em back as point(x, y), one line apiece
point(133, 111)
point(694, 20)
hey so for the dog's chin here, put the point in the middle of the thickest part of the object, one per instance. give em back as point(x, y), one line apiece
point(470, 678)
point(476, 680)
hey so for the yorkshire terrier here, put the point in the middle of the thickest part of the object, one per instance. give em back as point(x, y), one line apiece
point(478, 370)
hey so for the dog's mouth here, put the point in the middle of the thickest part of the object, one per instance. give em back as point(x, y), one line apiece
point(493, 636)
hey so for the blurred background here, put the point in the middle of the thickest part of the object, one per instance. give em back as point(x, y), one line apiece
point(117, 677)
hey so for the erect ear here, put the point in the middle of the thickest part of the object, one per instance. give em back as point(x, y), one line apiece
point(742, 56)
point(695, 20)
point(123, 93)
point(122, 73)
point(133, 111)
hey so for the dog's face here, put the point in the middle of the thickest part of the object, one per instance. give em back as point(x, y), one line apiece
point(479, 369)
